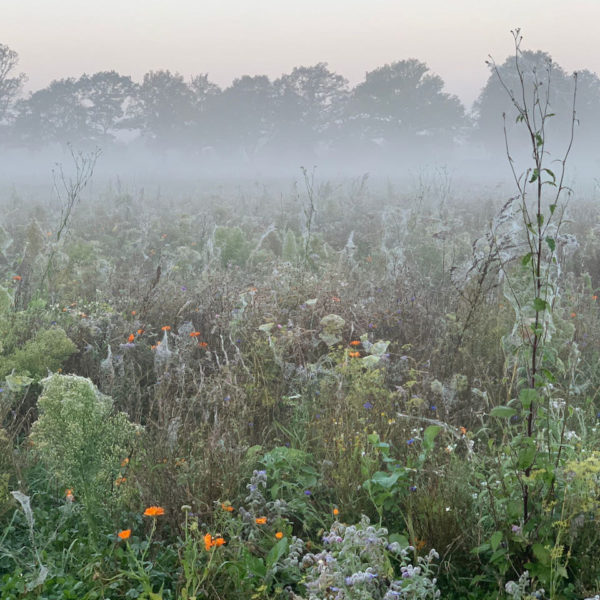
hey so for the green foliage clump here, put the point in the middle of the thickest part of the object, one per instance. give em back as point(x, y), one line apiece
point(233, 245)
point(79, 438)
point(47, 351)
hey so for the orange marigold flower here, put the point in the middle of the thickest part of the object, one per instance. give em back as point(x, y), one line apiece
point(153, 347)
point(355, 343)
point(208, 541)
point(124, 535)
point(140, 331)
point(203, 344)
point(120, 480)
point(336, 512)
point(573, 315)
point(261, 520)
point(353, 354)
point(227, 507)
point(131, 338)
point(154, 511)
point(218, 541)
point(134, 312)
point(17, 278)
point(195, 334)
point(125, 462)
point(279, 535)
point(69, 495)
point(463, 430)
point(166, 328)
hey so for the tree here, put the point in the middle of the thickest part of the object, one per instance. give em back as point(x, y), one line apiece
point(243, 115)
point(535, 69)
point(105, 96)
point(309, 105)
point(9, 86)
point(164, 109)
point(402, 105)
point(55, 114)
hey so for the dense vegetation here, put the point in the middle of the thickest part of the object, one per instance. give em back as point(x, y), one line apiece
point(327, 391)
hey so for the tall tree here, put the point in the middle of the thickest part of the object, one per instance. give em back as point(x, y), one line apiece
point(10, 83)
point(164, 110)
point(494, 110)
point(309, 104)
point(402, 105)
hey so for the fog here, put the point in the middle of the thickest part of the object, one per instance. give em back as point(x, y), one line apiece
point(397, 122)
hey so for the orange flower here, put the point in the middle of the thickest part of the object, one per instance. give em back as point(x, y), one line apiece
point(227, 507)
point(166, 328)
point(153, 347)
point(218, 542)
point(261, 520)
point(336, 512)
point(279, 535)
point(120, 480)
point(203, 344)
point(69, 495)
point(353, 354)
point(463, 430)
point(154, 511)
point(335, 299)
point(594, 298)
point(134, 312)
point(17, 278)
point(140, 331)
point(573, 315)
point(131, 338)
point(355, 343)
point(208, 542)
point(125, 462)
point(194, 334)
point(124, 535)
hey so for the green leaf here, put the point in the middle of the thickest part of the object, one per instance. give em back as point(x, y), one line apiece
point(551, 243)
point(526, 259)
point(551, 174)
point(503, 412)
point(430, 435)
point(540, 305)
point(534, 176)
point(552, 208)
point(541, 553)
point(276, 552)
point(526, 454)
point(495, 540)
point(539, 140)
point(540, 220)
point(527, 396)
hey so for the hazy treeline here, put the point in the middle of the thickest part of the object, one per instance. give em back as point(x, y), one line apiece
point(400, 114)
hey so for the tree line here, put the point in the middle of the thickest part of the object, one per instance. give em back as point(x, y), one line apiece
point(399, 109)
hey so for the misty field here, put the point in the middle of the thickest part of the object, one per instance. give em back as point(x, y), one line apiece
point(314, 391)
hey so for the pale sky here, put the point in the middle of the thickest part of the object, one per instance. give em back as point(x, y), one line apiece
point(230, 38)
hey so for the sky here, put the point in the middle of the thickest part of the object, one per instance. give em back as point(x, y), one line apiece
point(230, 38)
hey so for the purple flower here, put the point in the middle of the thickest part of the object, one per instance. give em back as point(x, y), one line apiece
point(413, 488)
point(307, 493)
point(367, 405)
point(433, 408)
point(183, 288)
point(516, 529)
point(410, 442)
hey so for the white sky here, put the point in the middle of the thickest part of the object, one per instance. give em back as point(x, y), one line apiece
point(230, 38)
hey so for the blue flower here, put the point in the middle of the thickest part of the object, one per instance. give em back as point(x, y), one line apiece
point(410, 442)
point(307, 493)
point(367, 405)
point(433, 408)
point(413, 488)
